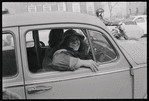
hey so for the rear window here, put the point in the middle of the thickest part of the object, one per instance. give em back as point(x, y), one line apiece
point(9, 66)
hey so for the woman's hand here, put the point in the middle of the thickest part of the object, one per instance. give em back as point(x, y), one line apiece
point(92, 64)
point(88, 63)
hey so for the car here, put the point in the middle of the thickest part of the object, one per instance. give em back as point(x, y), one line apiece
point(140, 20)
point(122, 72)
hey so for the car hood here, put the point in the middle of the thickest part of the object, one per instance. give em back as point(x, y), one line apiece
point(135, 49)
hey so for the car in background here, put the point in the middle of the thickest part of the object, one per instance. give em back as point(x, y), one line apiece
point(122, 65)
point(140, 20)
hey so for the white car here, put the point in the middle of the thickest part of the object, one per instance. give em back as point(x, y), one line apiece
point(140, 20)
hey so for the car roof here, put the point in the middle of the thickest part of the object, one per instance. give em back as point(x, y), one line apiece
point(139, 16)
point(26, 19)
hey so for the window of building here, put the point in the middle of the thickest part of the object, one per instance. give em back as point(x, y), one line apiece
point(137, 10)
point(90, 8)
point(46, 7)
point(76, 7)
point(61, 6)
point(129, 11)
point(9, 65)
point(32, 8)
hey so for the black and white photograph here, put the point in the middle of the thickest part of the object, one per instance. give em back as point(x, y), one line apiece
point(74, 50)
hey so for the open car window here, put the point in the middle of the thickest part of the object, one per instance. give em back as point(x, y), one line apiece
point(103, 51)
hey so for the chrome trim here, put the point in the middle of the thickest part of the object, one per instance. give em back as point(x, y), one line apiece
point(32, 82)
point(140, 66)
point(16, 84)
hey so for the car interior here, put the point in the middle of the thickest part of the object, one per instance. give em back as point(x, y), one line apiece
point(36, 49)
point(36, 53)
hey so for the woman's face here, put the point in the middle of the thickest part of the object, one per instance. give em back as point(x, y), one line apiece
point(74, 42)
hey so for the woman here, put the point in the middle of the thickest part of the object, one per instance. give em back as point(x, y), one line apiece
point(69, 56)
point(55, 37)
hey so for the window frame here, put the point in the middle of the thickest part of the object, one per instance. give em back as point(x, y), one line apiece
point(16, 55)
point(104, 36)
point(25, 29)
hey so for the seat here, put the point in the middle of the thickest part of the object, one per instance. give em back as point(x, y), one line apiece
point(9, 66)
point(55, 37)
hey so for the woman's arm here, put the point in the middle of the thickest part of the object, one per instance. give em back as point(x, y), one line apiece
point(65, 61)
point(88, 63)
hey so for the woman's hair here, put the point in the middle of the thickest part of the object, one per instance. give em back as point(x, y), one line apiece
point(67, 42)
point(80, 53)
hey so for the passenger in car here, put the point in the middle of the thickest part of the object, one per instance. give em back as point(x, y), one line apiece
point(55, 37)
point(68, 56)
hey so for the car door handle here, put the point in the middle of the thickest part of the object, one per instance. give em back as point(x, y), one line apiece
point(38, 89)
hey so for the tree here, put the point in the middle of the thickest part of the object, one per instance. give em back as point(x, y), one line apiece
point(111, 8)
point(111, 5)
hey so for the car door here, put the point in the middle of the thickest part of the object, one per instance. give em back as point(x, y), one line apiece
point(12, 76)
point(113, 80)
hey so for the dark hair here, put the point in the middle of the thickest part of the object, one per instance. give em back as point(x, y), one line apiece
point(64, 45)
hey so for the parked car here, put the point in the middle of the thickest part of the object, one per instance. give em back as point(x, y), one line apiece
point(122, 72)
point(140, 20)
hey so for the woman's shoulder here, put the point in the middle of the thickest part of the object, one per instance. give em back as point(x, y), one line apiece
point(59, 51)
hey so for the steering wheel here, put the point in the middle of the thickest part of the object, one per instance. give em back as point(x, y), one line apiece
point(31, 43)
point(99, 50)
point(41, 43)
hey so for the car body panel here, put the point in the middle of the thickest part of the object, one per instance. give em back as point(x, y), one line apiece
point(136, 50)
point(113, 80)
point(132, 31)
point(142, 24)
point(140, 81)
point(25, 19)
point(138, 59)
point(87, 86)
point(16, 83)
point(74, 86)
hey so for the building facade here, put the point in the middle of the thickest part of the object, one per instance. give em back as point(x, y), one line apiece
point(80, 7)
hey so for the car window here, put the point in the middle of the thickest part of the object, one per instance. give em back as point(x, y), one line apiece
point(103, 50)
point(141, 19)
point(36, 51)
point(9, 66)
point(44, 36)
point(29, 39)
